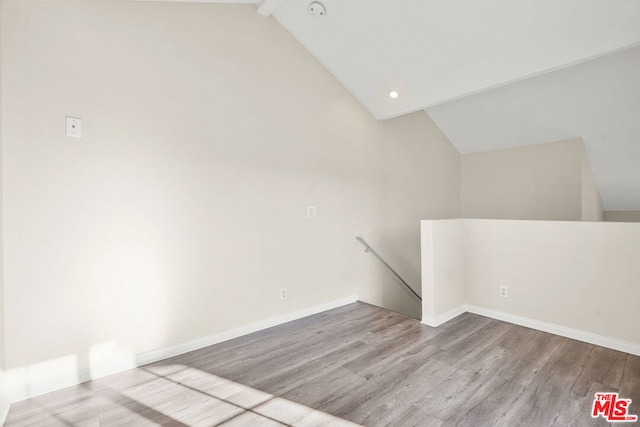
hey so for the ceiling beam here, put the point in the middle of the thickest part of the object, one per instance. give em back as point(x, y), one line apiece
point(267, 7)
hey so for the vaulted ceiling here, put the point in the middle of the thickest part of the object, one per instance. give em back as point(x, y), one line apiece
point(492, 73)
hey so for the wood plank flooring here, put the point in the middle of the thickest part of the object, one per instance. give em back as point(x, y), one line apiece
point(357, 364)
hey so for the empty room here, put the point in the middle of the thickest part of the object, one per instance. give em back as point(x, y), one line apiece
point(319, 213)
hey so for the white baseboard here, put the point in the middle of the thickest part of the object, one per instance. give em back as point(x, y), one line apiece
point(438, 320)
point(165, 353)
point(563, 331)
point(55, 375)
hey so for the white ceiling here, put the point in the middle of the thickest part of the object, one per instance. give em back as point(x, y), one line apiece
point(492, 73)
point(597, 100)
point(433, 51)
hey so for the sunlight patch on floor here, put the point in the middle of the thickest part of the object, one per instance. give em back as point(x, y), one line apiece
point(167, 395)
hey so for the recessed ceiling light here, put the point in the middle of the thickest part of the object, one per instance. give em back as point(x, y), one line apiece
point(393, 94)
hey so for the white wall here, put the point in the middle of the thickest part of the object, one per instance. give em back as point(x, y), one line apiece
point(549, 181)
point(180, 213)
point(181, 210)
point(577, 275)
point(1, 199)
point(419, 178)
point(444, 269)
point(4, 400)
point(591, 202)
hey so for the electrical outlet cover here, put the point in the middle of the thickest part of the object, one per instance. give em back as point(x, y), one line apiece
point(504, 291)
point(73, 127)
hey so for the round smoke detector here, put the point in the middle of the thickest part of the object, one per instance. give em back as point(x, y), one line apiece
point(317, 9)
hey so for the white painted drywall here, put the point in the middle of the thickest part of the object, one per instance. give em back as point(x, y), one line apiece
point(419, 178)
point(444, 272)
point(591, 201)
point(4, 400)
point(1, 199)
point(180, 213)
point(207, 129)
point(578, 275)
point(549, 181)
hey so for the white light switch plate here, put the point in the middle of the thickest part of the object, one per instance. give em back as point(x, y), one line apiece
point(73, 127)
point(312, 211)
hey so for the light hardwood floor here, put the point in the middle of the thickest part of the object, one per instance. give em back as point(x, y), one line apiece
point(359, 364)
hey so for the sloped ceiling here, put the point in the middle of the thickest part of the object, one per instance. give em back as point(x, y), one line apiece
point(597, 100)
point(492, 73)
